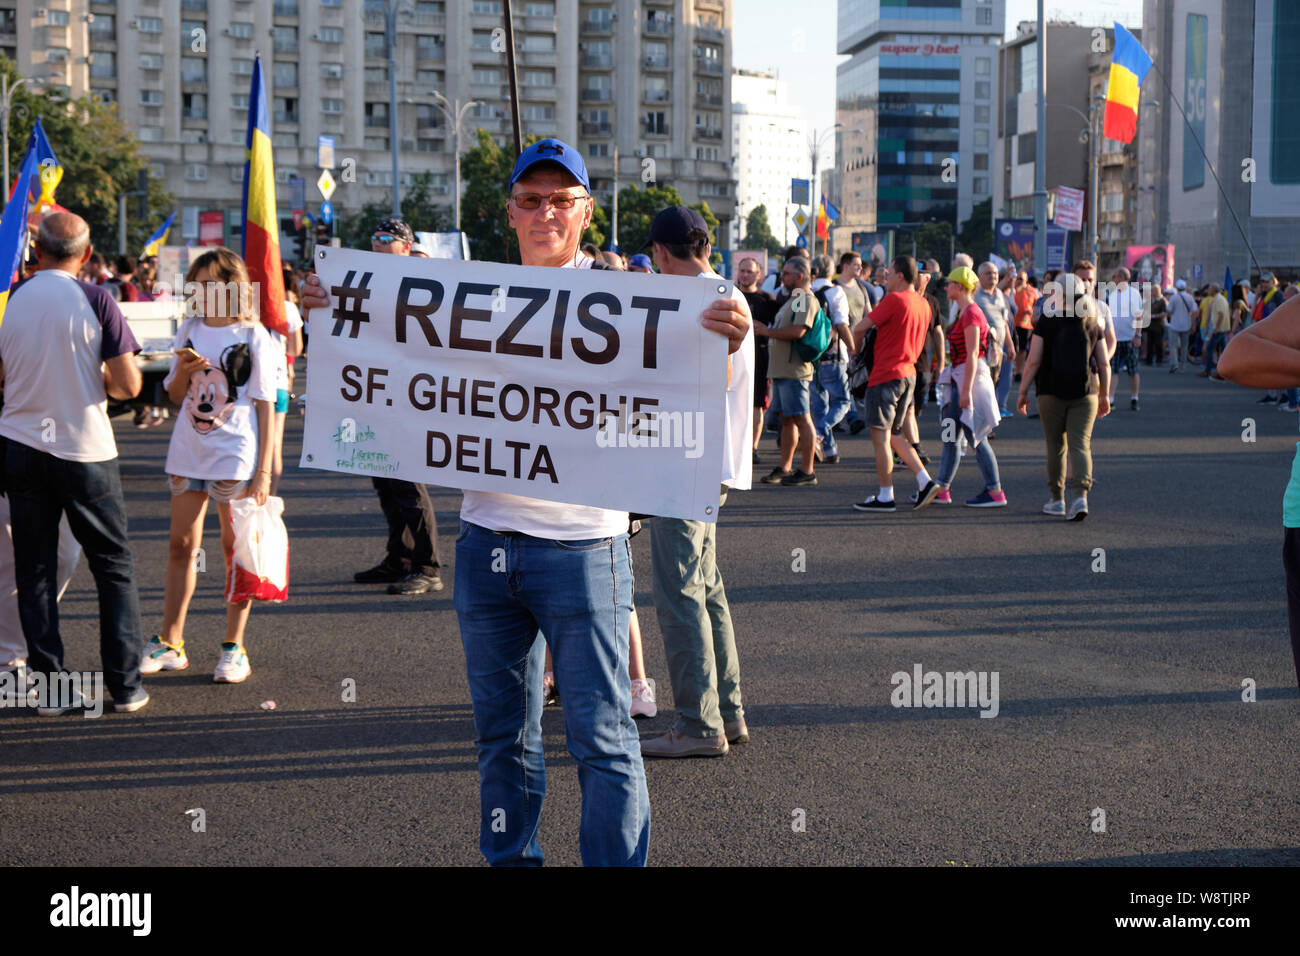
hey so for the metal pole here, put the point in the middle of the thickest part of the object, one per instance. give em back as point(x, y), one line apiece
point(1040, 150)
point(514, 80)
point(1092, 215)
point(4, 101)
point(613, 239)
point(121, 224)
point(390, 13)
point(455, 140)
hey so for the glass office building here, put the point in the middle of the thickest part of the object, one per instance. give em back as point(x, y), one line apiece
point(916, 99)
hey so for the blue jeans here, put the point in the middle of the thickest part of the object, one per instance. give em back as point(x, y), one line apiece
point(830, 402)
point(41, 489)
point(1217, 342)
point(579, 595)
point(1006, 374)
point(950, 459)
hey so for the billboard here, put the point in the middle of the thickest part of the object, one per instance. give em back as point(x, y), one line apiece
point(874, 247)
point(1013, 240)
point(1194, 89)
point(1151, 264)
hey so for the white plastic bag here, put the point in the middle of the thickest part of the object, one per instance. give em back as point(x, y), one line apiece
point(259, 567)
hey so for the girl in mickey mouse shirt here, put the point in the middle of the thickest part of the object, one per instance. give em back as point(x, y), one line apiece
point(223, 377)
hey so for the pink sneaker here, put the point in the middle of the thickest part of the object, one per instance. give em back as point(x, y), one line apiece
point(943, 497)
point(643, 698)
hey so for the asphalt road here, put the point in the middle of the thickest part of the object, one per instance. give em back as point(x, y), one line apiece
point(1119, 690)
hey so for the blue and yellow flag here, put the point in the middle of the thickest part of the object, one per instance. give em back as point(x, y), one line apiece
point(50, 171)
point(13, 230)
point(159, 238)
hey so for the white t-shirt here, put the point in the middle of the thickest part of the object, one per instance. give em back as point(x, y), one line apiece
point(1125, 306)
point(837, 307)
point(56, 335)
point(738, 417)
point(294, 318)
point(216, 436)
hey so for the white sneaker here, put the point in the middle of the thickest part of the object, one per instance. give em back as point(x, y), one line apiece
point(643, 698)
point(1056, 508)
point(233, 666)
point(1078, 509)
point(161, 656)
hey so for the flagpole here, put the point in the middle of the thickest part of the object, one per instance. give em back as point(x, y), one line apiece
point(1040, 150)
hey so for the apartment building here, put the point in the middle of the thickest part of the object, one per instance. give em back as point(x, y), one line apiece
point(650, 76)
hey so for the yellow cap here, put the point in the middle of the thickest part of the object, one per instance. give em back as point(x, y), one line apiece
point(965, 277)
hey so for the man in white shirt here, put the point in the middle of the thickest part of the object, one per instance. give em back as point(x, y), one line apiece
point(830, 392)
point(64, 349)
point(690, 600)
point(1179, 324)
point(567, 574)
point(1126, 307)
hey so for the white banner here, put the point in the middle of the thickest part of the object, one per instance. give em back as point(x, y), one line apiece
point(588, 387)
point(1069, 208)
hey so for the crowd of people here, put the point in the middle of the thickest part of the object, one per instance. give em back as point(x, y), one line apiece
point(820, 348)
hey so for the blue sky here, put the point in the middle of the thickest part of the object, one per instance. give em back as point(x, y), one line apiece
point(763, 28)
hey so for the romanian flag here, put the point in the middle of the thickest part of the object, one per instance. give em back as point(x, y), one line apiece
point(158, 238)
point(823, 221)
point(1128, 67)
point(13, 230)
point(261, 233)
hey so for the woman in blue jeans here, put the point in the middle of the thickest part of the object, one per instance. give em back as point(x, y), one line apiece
point(969, 404)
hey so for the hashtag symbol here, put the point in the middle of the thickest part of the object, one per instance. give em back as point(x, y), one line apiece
point(350, 300)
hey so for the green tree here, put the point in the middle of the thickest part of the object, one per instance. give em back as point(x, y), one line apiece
point(100, 159)
point(975, 238)
point(486, 169)
point(598, 229)
point(419, 209)
point(637, 208)
point(758, 232)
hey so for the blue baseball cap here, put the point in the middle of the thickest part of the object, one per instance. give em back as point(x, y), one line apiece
point(640, 260)
point(552, 151)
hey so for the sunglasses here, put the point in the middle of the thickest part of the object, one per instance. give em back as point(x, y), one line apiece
point(532, 201)
point(385, 238)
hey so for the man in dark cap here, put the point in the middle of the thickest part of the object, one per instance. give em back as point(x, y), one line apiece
point(690, 600)
point(411, 563)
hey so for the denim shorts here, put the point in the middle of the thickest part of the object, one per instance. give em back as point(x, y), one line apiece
point(218, 489)
point(791, 394)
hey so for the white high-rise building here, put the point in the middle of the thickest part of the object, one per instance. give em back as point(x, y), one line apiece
point(771, 148)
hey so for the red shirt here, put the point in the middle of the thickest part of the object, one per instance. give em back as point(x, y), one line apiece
point(902, 320)
point(971, 315)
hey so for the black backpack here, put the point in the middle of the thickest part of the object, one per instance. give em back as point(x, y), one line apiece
point(1067, 361)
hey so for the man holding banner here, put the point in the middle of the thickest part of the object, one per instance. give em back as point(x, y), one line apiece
point(555, 559)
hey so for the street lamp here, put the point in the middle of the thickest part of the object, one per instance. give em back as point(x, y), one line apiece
point(785, 226)
point(815, 143)
point(7, 93)
point(454, 112)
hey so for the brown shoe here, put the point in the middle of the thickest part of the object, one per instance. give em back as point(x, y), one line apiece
point(674, 744)
point(736, 731)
